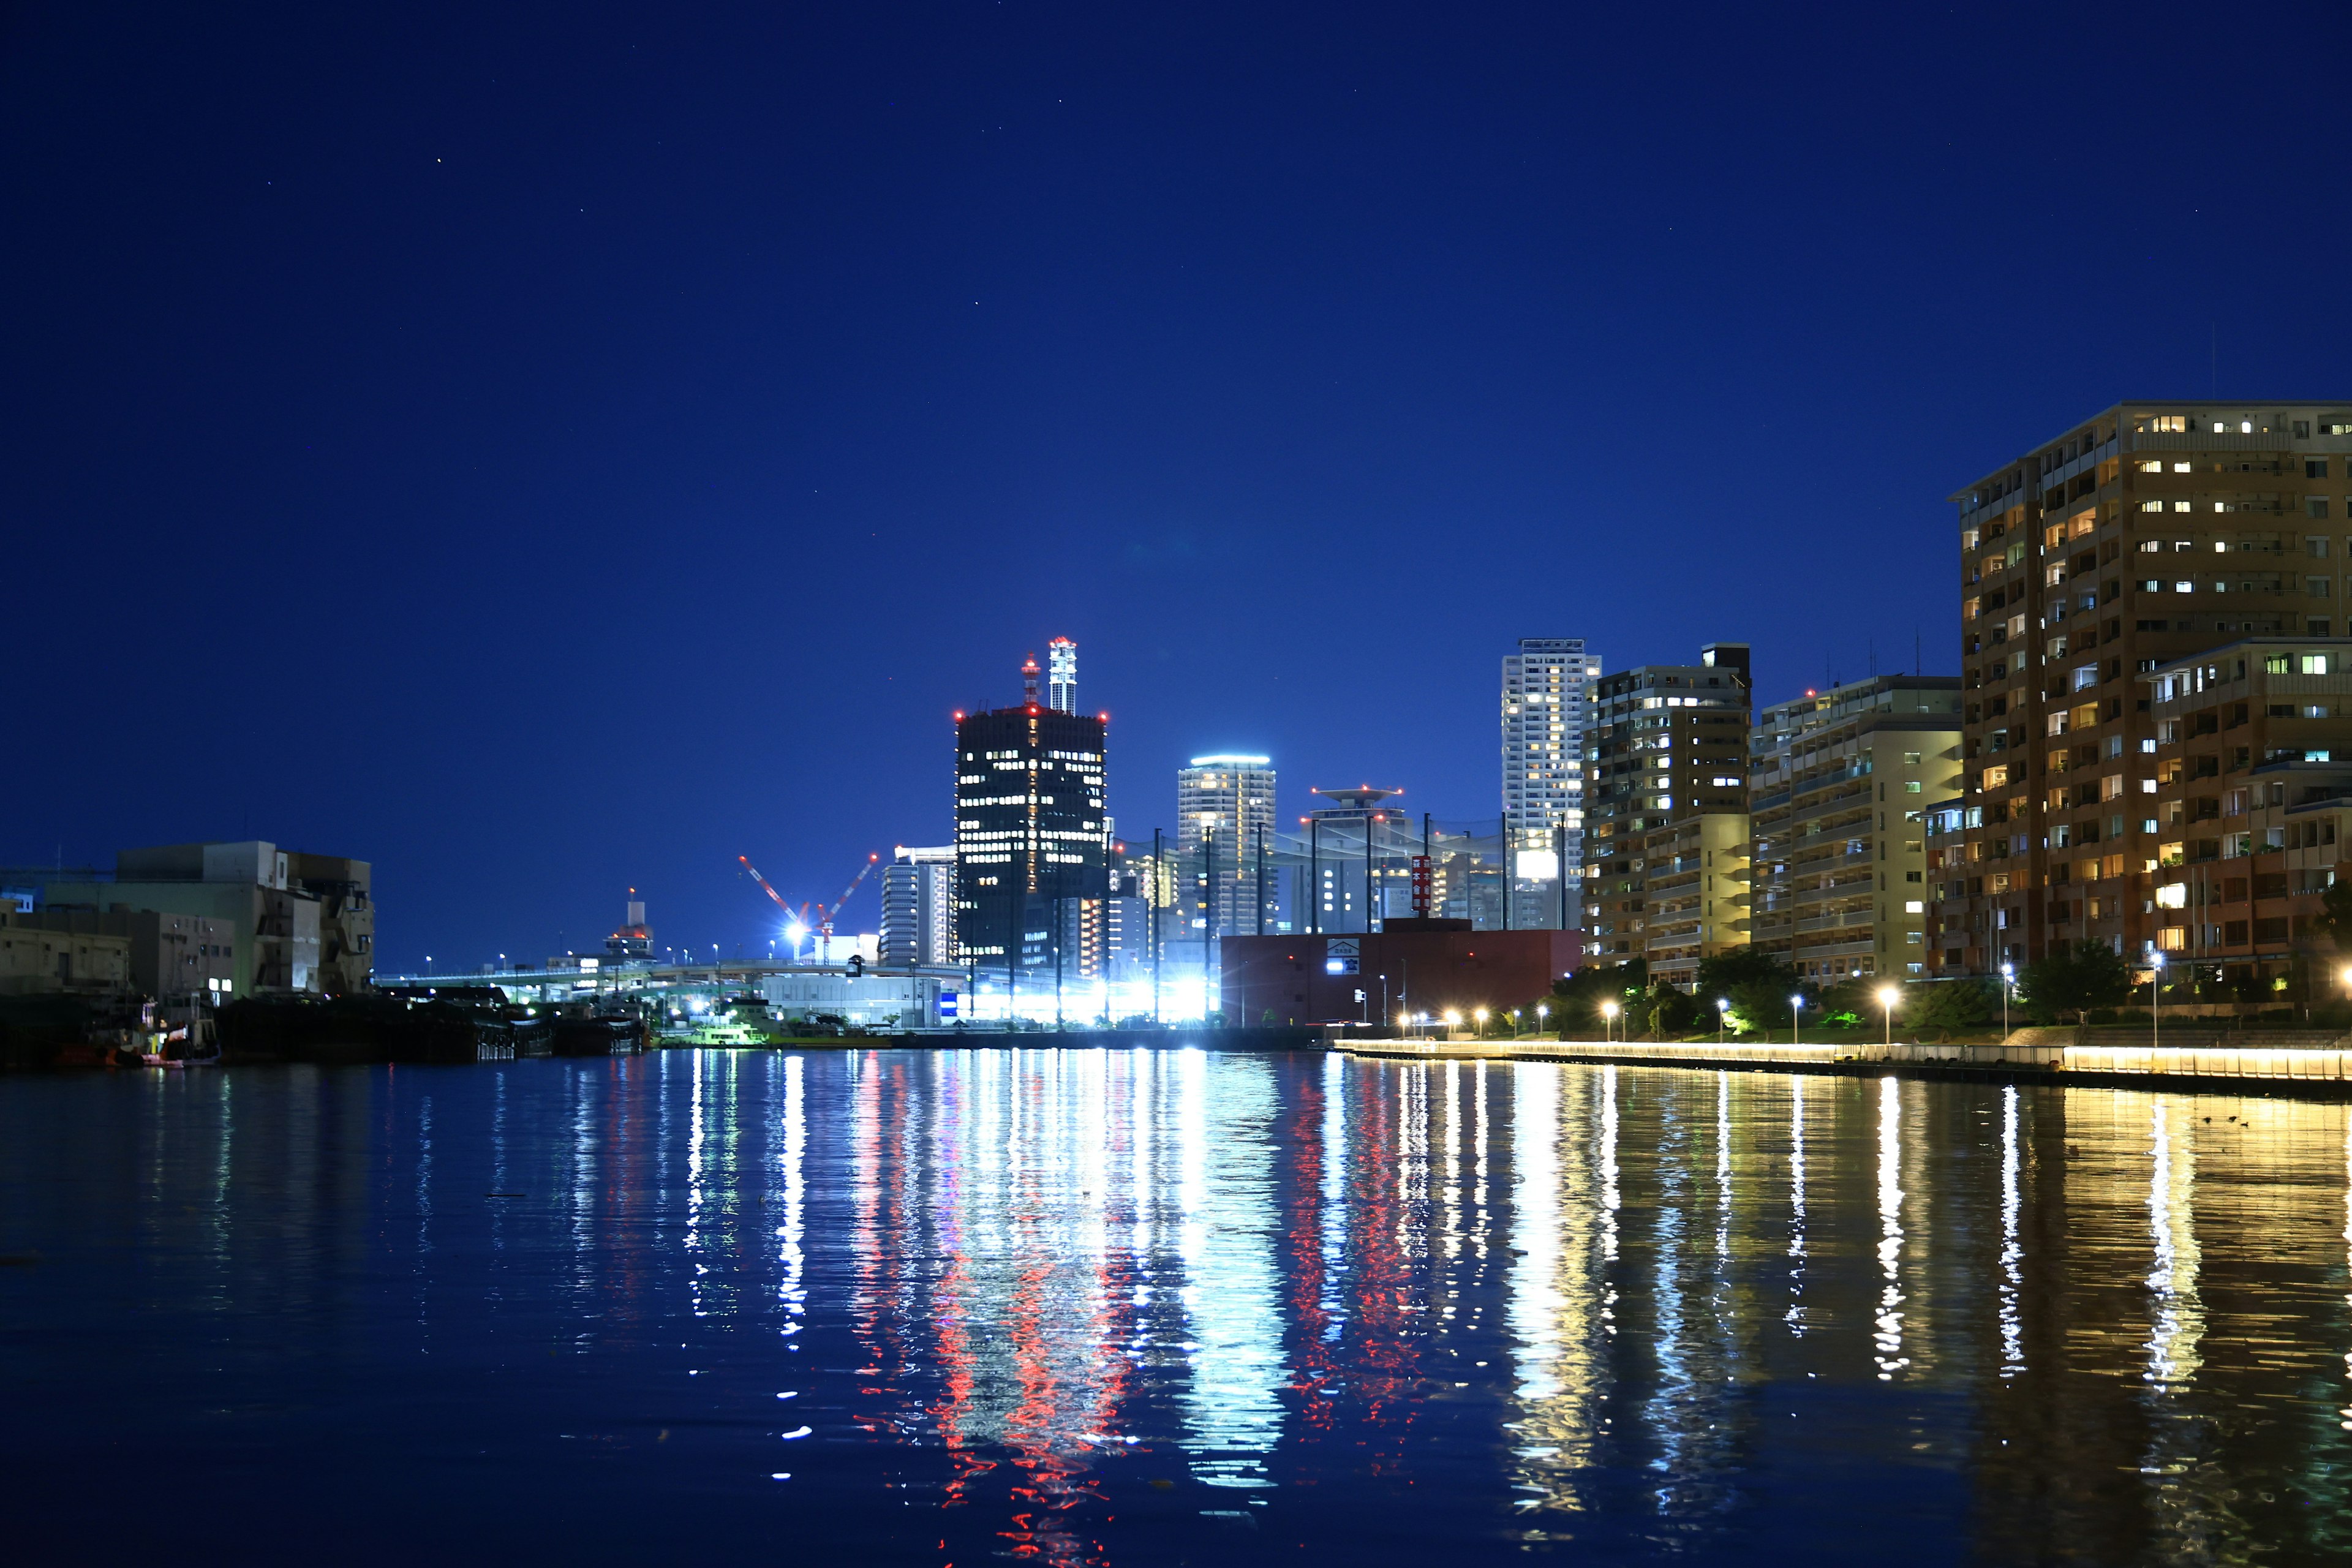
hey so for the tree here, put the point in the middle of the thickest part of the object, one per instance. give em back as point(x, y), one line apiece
point(2075, 979)
point(1672, 1011)
point(1578, 997)
point(1759, 985)
point(2335, 914)
point(1946, 1005)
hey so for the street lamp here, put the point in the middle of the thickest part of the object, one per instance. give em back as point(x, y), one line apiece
point(2155, 1000)
point(1608, 1018)
point(1480, 1014)
point(1543, 1011)
point(1886, 999)
point(1795, 1003)
point(2008, 978)
point(1452, 1021)
point(1722, 1016)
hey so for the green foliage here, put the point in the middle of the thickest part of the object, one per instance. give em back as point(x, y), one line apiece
point(1576, 997)
point(2335, 914)
point(1759, 985)
point(1671, 1012)
point(2075, 979)
point(1943, 1007)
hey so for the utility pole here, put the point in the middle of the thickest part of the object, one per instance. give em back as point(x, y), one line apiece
point(1261, 881)
point(1209, 910)
point(1152, 903)
point(1559, 863)
point(1315, 875)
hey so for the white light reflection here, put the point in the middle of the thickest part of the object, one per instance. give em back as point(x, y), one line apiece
point(1231, 1293)
point(1889, 1337)
point(1561, 1361)
point(2178, 1318)
point(1795, 1316)
point(792, 1288)
point(2012, 1253)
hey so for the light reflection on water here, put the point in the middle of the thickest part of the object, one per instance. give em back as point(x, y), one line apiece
point(1092, 1306)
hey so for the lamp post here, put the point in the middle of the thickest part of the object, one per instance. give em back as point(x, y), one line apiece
point(1543, 1011)
point(2155, 1000)
point(1452, 1021)
point(1480, 1014)
point(1608, 1018)
point(1886, 995)
point(1795, 1003)
point(2008, 979)
point(1722, 1016)
point(1515, 1023)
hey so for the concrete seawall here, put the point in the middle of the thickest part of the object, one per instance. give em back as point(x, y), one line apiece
point(2294, 1062)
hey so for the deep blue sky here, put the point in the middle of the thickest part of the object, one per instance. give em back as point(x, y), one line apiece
point(543, 449)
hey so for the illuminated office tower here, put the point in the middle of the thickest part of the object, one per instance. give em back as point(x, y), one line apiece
point(1543, 773)
point(1223, 805)
point(1030, 829)
point(1062, 676)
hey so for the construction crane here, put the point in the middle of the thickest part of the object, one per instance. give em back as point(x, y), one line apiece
point(817, 917)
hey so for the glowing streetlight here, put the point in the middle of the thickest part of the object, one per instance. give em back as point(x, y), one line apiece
point(1795, 1004)
point(1608, 1018)
point(2008, 979)
point(1887, 997)
point(2155, 999)
point(1453, 1020)
point(1480, 1014)
point(1722, 1016)
point(1543, 1011)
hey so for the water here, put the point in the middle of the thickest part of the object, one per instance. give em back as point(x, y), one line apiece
point(1166, 1307)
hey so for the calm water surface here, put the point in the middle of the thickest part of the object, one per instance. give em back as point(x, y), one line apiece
point(1166, 1307)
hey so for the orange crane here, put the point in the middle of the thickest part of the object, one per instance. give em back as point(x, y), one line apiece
point(823, 923)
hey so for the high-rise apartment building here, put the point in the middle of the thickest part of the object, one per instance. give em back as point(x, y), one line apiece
point(1544, 687)
point(1030, 827)
point(1224, 810)
point(1839, 784)
point(1665, 812)
point(2253, 777)
point(918, 907)
point(1062, 676)
point(2149, 532)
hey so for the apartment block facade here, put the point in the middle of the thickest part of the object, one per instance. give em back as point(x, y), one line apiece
point(1224, 812)
point(2150, 533)
point(1545, 685)
point(1666, 825)
point(1839, 786)
point(2253, 772)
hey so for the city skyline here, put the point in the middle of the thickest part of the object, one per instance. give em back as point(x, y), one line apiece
point(543, 390)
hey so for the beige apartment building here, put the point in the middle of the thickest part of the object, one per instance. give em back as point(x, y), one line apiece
point(1665, 812)
point(1838, 792)
point(2146, 534)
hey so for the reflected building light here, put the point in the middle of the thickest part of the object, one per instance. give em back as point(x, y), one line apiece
point(2176, 1311)
point(1795, 1316)
point(1609, 1198)
point(1232, 1409)
point(792, 1286)
point(1889, 1337)
point(1334, 1300)
point(2013, 1251)
point(1555, 1286)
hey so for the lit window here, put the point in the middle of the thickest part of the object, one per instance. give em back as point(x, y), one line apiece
point(1915, 907)
point(2314, 664)
point(2151, 467)
point(2180, 468)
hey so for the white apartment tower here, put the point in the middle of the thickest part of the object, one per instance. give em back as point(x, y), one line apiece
point(1543, 756)
point(1231, 798)
point(918, 907)
point(1062, 676)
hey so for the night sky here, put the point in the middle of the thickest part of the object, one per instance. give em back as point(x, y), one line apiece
point(547, 449)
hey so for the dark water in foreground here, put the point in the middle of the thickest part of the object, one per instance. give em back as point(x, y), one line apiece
point(1086, 1306)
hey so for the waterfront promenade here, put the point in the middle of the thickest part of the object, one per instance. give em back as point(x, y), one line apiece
point(2294, 1060)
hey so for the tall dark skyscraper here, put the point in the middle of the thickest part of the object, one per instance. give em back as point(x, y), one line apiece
point(1030, 829)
